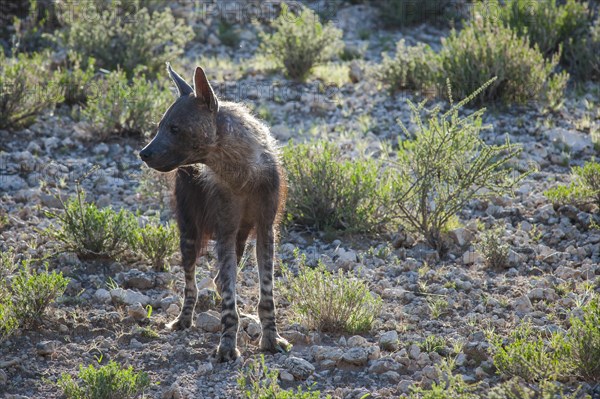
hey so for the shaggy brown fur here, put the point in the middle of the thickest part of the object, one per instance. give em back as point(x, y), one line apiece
point(229, 183)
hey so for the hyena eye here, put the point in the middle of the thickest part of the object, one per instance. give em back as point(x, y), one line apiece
point(174, 129)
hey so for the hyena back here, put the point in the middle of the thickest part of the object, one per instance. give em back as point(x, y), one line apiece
point(229, 184)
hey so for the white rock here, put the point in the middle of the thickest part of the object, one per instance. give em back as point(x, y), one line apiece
point(357, 340)
point(137, 311)
point(461, 236)
point(470, 257)
point(414, 351)
point(301, 369)
point(356, 356)
point(102, 295)
point(522, 304)
point(131, 297)
point(345, 257)
point(173, 309)
point(209, 321)
point(286, 376)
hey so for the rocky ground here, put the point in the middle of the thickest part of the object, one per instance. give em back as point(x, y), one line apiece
point(554, 251)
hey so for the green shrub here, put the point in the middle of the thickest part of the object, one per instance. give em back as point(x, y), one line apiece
point(529, 356)
point(448, 386)
point(400, 13)
point(585, 188)
point(27, 87)
point(125, 35)
point(445, 166)
point(546, 23)
point(157, 242)
point(493, 248)
point(8, 321)
point(585, 338)
point(118, 107)
point(330, 301)
point(412, 68)
point(471, 57)
point(258, 382)
point(77, 81)
point(300, 42)
point(327, 191)
point(581, 56)
point(91, 232)
point(105, 382)
point(33, 291)
point(515, 388)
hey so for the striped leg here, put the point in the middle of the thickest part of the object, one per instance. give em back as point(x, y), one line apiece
point(188, 256)
point(270, 341)
point(225, 281)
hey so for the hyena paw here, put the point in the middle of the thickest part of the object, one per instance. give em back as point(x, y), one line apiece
point(180, 323)
point(226, 352)
point(274, 343)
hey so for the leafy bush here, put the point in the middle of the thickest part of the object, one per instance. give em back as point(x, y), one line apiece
point(91, 232)
point(448, 386)
point(529, 356)
point(105, 382)
point(515, 388)
point(585, 188)
point(493, 248)
point(157, 242)
point(118, 107)
point(585, 338)
point(300, 41)
point(258, 382)
point(546, 23)
point(8, 321)
point(33, 291)
point(471, 57)
point(406, 12)
point(77, 81)
point(327, 191)
point(27, 87)
point(413, 67)
point(581, 56)
point(445, 166)
point(330, 301)
point(125, 35)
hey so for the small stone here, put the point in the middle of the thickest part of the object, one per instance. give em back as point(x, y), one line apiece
point(205, 368)
point(137, 279)
point(356, 73)
point(172, 392)
point(209, 321)
point(135, 344)
point(522, 304)
point(213, 40)
point(461, 236)
point(63, 329)
point(137, 311)
point(131, 297)
point(253, 330)
point(101, 149)
point(173, 309)
point(207, 283)
point(356, 356)
point(299, 368)
point(102, 295)
point(414, 351)
point(46, 348)
point(404, 386)
point(472, 257)
point(345, 257)
point(285, 376)
point(389, 341)
point(357, 340)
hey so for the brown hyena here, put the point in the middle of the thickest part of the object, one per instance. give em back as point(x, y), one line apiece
point(229, 184)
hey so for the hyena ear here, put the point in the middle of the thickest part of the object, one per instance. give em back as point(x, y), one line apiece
point(203, 90)
point(183, 88)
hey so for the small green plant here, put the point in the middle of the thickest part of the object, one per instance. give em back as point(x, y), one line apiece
point(448, 386)
point(124, 35)
point(27, 87)
point(493, 248)
point(445, 166)
point(330, 301)
point(528, 355)
point(412, 68)
point(8, 322)
point(300, 42)
point(157, 242)
point(547, 23)
point(105, 382)
point(432, 343)
point(330, 192)
point(437, 306)
point(585, 188)
point(91, 232)
point(480, 51)
point(257, 381)
point(516, 388)
point(585, 338)
point(119, 107)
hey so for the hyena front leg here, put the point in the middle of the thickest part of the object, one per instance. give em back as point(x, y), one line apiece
point(188, 256)
point(225, 281)
point(265, 242)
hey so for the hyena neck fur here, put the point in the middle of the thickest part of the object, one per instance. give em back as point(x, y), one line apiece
point(244, 151)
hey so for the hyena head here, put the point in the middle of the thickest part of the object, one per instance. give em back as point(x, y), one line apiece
point(188, 129)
